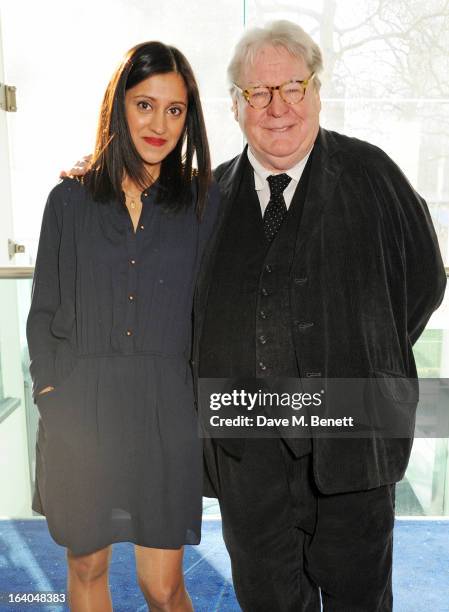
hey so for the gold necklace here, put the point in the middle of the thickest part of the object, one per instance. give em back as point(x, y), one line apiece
point(132, 198)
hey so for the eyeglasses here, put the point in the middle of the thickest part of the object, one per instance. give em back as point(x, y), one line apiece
point(291, 92)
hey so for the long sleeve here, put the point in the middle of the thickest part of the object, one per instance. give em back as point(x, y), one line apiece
point(424, 269)
point(426, 277)
point(45, 300)
point(425, 273)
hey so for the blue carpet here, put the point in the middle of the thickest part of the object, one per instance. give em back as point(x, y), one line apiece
point(31, 562)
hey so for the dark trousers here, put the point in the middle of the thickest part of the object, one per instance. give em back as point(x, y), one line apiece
point(290, 545)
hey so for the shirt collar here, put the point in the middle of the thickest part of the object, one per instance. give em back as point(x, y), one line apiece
point(261, 173)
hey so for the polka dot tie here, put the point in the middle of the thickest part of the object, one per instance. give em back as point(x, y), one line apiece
point(276, 209)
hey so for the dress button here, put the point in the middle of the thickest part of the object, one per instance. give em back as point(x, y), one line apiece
point(262, 339)
point(131, 298)
point(262, 366)
point(268, 268)
point(142, 227)
point(132, 262)
point(129, 332)
point(263, 314)
point(264, 292)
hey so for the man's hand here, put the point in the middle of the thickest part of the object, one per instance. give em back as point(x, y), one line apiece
point(79, 169)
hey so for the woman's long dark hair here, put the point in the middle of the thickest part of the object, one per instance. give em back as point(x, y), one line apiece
point(115, 154)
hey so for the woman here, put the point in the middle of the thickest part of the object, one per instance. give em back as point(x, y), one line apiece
point(118, 455)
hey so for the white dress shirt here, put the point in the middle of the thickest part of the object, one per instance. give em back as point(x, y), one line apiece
point(261, 183)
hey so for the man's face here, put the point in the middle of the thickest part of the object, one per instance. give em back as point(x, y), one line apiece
point(281, 134)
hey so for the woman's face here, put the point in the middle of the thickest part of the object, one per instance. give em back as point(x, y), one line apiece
point(156, 111)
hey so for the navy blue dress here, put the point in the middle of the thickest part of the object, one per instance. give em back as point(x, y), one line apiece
point(118, 456)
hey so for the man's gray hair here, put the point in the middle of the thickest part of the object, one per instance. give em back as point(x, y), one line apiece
point(282, 33)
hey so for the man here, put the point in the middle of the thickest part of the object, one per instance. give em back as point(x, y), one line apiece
point(326, 264)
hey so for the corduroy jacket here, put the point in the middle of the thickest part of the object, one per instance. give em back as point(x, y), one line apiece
point(367, 274)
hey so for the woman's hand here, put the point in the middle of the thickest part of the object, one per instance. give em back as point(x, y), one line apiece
point(79, 169)
point(46, 390)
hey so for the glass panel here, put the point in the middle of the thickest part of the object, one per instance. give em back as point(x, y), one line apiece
point(381, 85)
point(6, 226)
point(385, 81)
point(424, 490)
point(62, 67)
point(18, 416)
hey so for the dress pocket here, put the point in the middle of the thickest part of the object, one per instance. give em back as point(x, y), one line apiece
point(46, 400)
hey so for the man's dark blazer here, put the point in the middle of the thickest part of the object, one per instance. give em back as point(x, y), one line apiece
point(368, 273)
